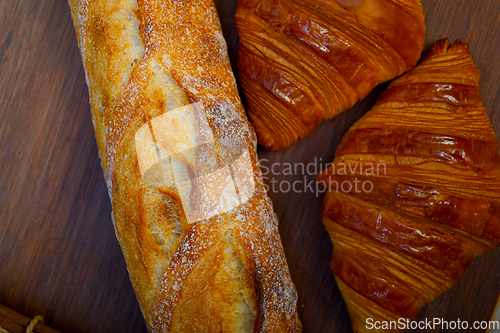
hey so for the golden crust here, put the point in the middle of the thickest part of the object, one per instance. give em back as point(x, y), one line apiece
point(227, 273)
point(424, 195)
point(304, 61)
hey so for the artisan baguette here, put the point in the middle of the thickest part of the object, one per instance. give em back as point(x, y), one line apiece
point(201, 267)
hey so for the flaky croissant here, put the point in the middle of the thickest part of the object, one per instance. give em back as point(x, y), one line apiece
point(414, 191)
point(303, 61)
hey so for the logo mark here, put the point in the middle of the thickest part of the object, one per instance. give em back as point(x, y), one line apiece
point(177, 150)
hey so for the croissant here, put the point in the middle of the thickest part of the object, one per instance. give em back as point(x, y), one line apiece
point(190, 210)
point(304, 61)
point(414, 191)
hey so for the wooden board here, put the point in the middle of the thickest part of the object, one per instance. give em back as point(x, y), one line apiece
point(58, 253)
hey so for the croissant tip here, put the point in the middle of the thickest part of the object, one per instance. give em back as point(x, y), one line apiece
point(269, 144)
point(273, 141)
point(458, 47)
point(444, 46)
point(439, 47)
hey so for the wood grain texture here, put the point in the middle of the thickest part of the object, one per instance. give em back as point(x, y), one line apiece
point(58, 253)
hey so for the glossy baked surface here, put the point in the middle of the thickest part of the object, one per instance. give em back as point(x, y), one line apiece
point(415, 190)
point(303, 61)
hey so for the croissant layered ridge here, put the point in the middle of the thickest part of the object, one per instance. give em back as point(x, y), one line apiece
point(414, 191)
point(303, 61)
point(160, 80)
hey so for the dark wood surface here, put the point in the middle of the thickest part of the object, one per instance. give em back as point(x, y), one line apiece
point(15, 322)
point(58, 253)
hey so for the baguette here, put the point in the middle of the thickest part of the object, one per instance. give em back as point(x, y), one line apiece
point(194, 268)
